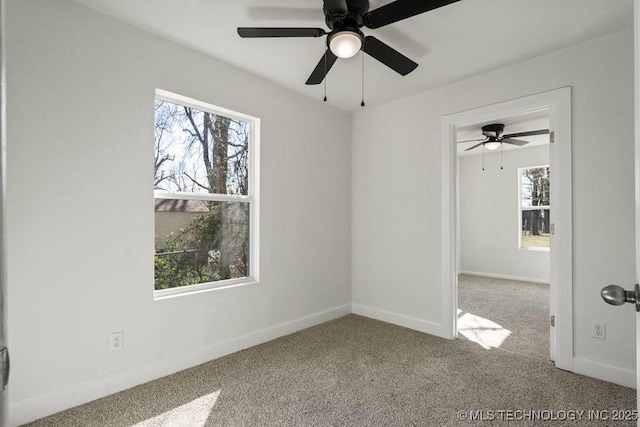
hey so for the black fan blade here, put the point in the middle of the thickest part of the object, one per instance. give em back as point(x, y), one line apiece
point(252, 32)
point(401, 9)
point(473, 140)
point(388, 56)
point(475, 146)
point(518, 142)
point(530, 133)
point(336, 7)
point(323, 67)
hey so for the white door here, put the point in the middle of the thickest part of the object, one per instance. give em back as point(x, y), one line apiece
point(637, 167)
point(4, 355)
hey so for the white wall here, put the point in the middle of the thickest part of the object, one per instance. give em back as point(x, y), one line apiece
point(80, 209)
point(489, 216)
point(396, 192)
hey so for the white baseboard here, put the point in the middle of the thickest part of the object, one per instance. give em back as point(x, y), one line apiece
point(399, 319)
point(506, 277)
point(602, 371)
point(33, 408)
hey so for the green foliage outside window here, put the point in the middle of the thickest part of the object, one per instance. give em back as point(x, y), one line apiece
point(199, 152)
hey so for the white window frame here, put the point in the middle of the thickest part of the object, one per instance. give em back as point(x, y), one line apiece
point(252, 198)
point(528, 208)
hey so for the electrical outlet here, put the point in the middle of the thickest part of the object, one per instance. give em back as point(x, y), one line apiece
point(116, 341)
point(599, 330)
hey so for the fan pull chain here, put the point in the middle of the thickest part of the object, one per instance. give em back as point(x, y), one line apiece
point(483, 157)
point(325, 76)
point(501, 156)
point(362, 103)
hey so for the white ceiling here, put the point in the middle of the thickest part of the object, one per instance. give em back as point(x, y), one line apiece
point(450, 43)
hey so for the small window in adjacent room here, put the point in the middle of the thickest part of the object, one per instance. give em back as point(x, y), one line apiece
point(205, 196)
point(534, 208)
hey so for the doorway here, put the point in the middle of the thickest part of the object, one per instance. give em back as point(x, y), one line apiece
point(558, 105)
point(503, 228)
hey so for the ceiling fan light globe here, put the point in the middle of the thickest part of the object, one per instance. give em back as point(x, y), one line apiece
point(345, 44)
point(492, 145)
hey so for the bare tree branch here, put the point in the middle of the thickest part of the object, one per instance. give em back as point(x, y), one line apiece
point(196, 182)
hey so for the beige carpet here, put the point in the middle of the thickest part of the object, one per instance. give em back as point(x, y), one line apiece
point(356, 371)
point(494, 308)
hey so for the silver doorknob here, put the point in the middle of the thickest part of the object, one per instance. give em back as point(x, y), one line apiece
point(616, 295)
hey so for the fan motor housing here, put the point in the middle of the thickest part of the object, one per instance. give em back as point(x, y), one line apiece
point(357, 8)
point(494, 130)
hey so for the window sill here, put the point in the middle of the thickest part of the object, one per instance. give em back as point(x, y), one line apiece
point(535, 249)
point(203, 287)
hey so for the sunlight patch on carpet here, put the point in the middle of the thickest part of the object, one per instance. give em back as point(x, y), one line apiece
point(192, 414)
point(484, 332)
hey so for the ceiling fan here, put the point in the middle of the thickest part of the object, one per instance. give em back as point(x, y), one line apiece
point(345, 18)
point(494, 137)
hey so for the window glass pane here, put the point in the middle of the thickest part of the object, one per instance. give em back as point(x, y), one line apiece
point(535, 187)
point(200, 241)
point(199, 151)
point(535, 228)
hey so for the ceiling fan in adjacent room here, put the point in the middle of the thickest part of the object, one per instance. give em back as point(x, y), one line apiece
point(495, 137)
point(345, 18)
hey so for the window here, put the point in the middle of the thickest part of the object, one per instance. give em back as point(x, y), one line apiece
point(205, 196)
point(534, 208)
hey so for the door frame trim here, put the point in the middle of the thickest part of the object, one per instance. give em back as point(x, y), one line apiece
point(558, 104)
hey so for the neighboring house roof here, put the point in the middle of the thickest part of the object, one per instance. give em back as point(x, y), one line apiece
point(178, 205)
